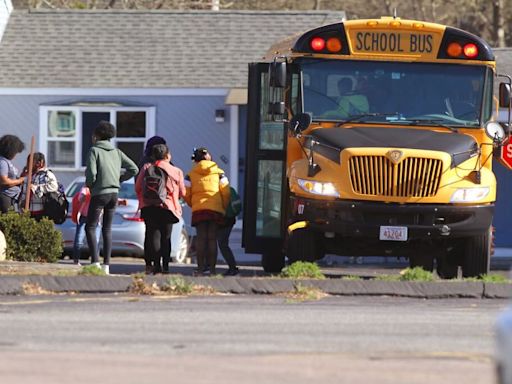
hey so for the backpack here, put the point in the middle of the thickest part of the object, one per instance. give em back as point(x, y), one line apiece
point(235, 204)
point(55, 205)
point(154, 186)
point(75, 207)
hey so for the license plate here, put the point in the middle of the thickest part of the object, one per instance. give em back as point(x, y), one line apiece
point(393, 233)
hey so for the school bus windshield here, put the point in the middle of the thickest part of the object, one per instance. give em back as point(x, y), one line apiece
point(394, 92)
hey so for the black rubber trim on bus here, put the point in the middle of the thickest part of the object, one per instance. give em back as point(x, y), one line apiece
point(333, 30)
point(460, 147)
point(456, 35)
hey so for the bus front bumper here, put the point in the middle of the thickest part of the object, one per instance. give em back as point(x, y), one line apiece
point(365, 219)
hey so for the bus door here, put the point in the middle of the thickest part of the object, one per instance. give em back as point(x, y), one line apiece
point(265, 167)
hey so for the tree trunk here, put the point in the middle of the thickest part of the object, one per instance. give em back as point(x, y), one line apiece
point(498, 22)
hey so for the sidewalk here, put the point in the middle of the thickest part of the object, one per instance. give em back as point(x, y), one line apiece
point(63, 277)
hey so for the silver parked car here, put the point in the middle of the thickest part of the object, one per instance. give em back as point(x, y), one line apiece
point(127, 226)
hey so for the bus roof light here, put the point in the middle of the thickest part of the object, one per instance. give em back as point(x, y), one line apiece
point(454, 50)
point(470, 50)
point(317, 44)
point(333, 44)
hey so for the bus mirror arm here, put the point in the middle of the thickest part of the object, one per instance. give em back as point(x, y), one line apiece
point(313, 168)
point(505, 101)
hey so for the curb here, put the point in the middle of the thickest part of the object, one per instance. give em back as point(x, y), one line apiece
point(14, 285)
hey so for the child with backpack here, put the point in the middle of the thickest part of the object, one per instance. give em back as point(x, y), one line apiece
point(79, 209)
point(207, 194)
point(233, 208)
point(159, 187)
point(44, 182)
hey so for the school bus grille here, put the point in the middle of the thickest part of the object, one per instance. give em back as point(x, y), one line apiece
point(412, 177)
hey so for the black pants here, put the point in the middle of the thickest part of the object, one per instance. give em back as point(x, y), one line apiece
point(223, 233)
point(6, 202)
point(206, 245)
point(106, 203)
point(159, 223)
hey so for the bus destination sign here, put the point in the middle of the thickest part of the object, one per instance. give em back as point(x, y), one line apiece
point(399, 42)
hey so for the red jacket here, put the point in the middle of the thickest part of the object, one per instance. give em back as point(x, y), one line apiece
point(175, 186)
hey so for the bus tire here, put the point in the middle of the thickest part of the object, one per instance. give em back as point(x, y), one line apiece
point(272, 262)
point(447, 267)
point(302, 246)
point(477, 255)
point(423, 260)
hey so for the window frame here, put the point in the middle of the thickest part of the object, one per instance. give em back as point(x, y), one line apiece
point(44, 139)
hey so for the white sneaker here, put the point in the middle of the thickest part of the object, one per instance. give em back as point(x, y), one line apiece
point(97, 265)
point(106, 269)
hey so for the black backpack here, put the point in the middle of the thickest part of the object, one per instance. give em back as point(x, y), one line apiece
point(55, 205)
point(154, 188)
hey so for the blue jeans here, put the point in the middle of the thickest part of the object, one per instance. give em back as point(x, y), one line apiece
point(80, 237)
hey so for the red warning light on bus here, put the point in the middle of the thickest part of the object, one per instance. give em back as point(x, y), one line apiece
point(317, 44)
point(470, 50)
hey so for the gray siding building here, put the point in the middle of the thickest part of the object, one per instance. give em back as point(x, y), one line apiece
point(177, 74)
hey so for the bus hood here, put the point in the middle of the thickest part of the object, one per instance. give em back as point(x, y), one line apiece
point(331, 141)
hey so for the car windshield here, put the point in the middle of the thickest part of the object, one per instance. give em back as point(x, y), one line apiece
point(393, 92)
point(127, 190)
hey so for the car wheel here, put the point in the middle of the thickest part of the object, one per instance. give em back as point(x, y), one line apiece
point(184, 245)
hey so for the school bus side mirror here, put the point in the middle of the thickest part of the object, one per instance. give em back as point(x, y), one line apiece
point(496, 131)
point(278, 74)
point(504, 95)
point(299, 123)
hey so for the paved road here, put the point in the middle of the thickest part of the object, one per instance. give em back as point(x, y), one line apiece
point(249, 339)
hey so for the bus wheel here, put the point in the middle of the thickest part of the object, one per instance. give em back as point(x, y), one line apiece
point(477, 255)
point(423, 259)
point(447, 267)
point(302, 246)
point(272, 262)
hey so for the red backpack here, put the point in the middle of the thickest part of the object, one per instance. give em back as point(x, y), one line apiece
point(75, 207)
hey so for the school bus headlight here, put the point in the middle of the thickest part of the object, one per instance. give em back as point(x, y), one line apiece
point(467, 195)
point(317, 188)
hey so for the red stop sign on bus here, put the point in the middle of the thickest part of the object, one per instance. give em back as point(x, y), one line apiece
point(506, 154)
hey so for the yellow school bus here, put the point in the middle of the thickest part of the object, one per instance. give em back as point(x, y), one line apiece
point(374, 138)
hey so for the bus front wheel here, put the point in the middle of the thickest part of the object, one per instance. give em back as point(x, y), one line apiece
point(272, 262)
point(302, 246)
point(477, 255)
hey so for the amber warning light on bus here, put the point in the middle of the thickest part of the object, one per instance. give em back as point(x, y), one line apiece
point(468, 50)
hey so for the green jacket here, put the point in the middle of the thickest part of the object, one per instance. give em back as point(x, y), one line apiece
point(103, 172)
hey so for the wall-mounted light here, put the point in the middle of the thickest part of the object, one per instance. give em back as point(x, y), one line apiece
point(220, 115)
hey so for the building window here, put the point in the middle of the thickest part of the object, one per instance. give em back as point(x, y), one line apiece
point(66, 132)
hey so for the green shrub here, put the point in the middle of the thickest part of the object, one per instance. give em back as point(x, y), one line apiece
point(302, 270)
point(29, 240)
point(416, 274)
point(177, 285)
point(488, 278)
point(91, 270)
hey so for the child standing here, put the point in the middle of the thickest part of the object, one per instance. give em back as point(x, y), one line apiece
point(208, 195)
point(103, 177)
point(159, 215)
point(43, 181)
